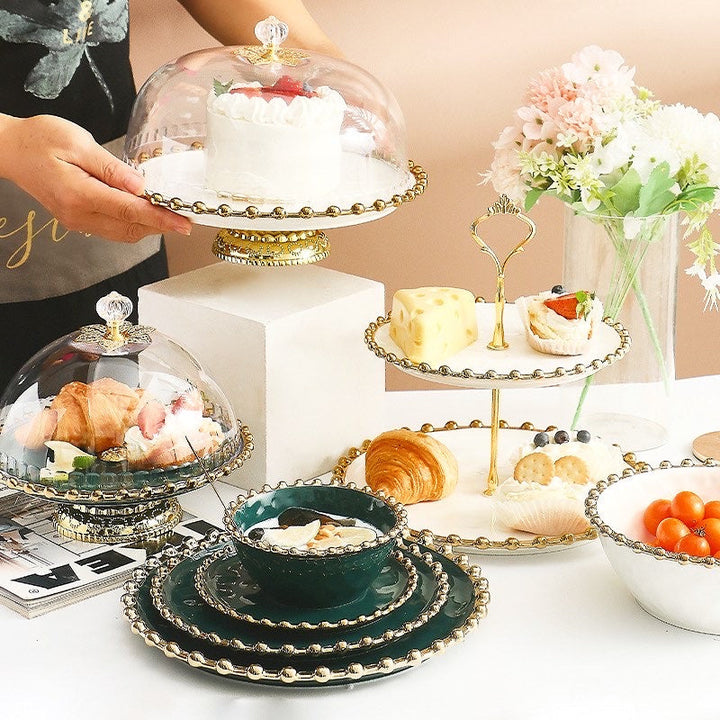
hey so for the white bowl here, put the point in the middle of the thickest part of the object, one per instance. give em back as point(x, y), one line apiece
point(677, 588)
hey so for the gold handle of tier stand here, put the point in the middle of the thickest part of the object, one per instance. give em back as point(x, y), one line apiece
point(502, 207)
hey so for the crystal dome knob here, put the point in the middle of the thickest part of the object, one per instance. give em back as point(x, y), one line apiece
point(114, 308)
point(271, 31)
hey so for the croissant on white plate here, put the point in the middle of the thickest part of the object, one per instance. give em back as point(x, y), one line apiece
point(411, 466)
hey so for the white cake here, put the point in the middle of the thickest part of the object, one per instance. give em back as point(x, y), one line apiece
point(273, 143)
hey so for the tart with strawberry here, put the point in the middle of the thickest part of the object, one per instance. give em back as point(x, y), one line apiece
point(559, 322)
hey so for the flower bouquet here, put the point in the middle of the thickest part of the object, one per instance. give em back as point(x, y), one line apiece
point(588, 135)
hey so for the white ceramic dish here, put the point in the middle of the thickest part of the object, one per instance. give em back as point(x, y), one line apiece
point(678, 589)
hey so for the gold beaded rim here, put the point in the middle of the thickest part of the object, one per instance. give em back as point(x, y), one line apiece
point(201, 587)
point(636, 545)
point(445, 371)
point(313, 649)
point(432, 539)
point(252, 212)
point(289, 675)
point(130, 496)
point(398, 530)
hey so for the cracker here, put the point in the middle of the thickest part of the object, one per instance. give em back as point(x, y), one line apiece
point(571, 468)
point(535, 467)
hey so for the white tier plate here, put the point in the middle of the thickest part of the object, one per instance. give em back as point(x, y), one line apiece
point(365, 180)
point(528, 366)
point(468, 512)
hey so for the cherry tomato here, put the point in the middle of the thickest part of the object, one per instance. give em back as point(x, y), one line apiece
point(669, 532)
point(709, 528)
point(688, 507)
point(712, 509)
point(656, 511)
point(693, 544)
point(717, 555)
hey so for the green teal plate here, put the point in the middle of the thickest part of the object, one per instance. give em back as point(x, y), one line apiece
point(467, 602)
point(176, 599)
point(224, 584)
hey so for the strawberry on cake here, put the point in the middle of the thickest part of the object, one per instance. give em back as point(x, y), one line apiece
point(559, 322)
point(278, 142)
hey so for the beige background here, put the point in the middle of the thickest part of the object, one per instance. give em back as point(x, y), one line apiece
point(458, 70)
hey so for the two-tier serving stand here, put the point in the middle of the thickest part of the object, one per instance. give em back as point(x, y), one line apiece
point(507, 361)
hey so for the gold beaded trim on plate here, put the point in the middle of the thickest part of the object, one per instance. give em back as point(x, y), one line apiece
point(133, 495)
point(252, 212)
point(340, 646)
point(289, 675)
point(636, 545)
point(397, 531)
point(222, 607)
point(432, 539)
point(492, 375)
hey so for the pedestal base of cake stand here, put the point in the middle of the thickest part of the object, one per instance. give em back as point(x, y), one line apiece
point(118, 524)
point(271, 249)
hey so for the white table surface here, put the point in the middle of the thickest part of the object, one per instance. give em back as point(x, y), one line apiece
point(562, 639)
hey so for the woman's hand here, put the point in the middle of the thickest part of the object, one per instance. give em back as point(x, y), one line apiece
point(83, 185)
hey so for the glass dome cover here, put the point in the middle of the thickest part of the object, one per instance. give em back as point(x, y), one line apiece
point(112, 413)
point(266, 133)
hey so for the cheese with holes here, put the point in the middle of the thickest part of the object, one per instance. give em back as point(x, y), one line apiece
point(430, 324)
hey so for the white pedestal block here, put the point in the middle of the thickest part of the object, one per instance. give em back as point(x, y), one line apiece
point(286, 346)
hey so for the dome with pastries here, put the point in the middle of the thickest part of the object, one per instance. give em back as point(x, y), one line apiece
point(270, 128)
point(114, 406)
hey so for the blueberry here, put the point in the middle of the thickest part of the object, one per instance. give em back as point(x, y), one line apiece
point(541, 439)
point(557, 290)
point(583, 436)
point(306, 88)
point(561, 436)
point(256, 534)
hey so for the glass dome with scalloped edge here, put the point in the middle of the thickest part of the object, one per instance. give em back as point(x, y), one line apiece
point(246, 136)
point(115, 413)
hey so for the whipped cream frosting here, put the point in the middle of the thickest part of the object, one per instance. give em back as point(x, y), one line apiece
point(325, 111)
point(548, 324)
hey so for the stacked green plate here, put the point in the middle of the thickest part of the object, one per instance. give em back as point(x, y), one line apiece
point(197, 604)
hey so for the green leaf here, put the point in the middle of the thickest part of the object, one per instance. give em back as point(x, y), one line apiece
point(531, 198)
point(83, 462)
point(655, 195)
point(221, 88)
point(626, 192)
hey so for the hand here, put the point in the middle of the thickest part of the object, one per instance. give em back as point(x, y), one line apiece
point(83, 185)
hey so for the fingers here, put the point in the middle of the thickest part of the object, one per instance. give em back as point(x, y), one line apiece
point(118, 215)
point(111, 171)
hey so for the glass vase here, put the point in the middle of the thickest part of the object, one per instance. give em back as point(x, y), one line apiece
point(631, 263)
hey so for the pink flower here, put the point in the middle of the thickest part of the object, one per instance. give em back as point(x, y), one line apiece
point(577, 118)
point(600, 66)
point(550, 84)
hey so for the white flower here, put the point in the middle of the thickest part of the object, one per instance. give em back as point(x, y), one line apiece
point(613, 155)
point(711, 285)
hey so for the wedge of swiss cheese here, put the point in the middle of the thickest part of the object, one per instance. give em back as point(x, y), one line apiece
point(431, 324)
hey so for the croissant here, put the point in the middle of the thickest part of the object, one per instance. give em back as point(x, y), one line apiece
point(95, 416)
point(410, 466)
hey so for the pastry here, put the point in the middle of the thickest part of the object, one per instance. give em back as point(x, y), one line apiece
point(551, 479)
point(410, 466)
point(278, 142)
point(560, 323)
point(430, 324)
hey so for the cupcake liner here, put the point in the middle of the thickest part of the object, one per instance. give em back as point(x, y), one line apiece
point(551, 515)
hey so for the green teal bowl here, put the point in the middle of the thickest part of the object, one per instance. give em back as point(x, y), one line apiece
point(316, 578)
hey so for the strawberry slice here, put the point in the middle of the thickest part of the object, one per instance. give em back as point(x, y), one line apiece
point(571, 305)
point(191, 400)
point(151, 419)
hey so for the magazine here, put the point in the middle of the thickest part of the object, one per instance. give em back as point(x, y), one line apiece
point(40, 570)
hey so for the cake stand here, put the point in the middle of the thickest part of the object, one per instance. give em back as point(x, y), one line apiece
point(507, 361)
point(108, 499)
point(352, 164)
point(258, 232)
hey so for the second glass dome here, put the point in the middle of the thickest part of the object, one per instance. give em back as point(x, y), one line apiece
point(268, 127)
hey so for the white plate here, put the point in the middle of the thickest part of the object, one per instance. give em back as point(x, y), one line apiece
point(182, 175)
point(467, 512)
point(518, 366)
